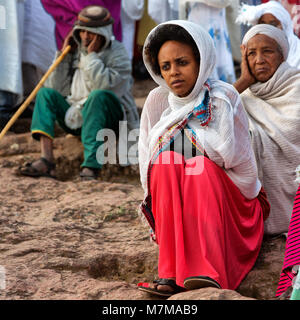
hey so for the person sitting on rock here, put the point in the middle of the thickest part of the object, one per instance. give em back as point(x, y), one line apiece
point(203, 199)
point(90, 90)
point(269, 89)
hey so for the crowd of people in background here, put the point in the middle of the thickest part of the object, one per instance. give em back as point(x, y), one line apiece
point(36, 29)
point(225, 42)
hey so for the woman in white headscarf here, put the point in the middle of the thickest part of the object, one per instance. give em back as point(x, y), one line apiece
point(275, 14)
point(270, 93)
point(203, 199)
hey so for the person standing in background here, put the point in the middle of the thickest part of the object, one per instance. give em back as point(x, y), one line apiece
point(211, 15)
point(27, 50)
point(131, 11)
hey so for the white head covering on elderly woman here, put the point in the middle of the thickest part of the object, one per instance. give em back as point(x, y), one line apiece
point(251, 14)
point(274, 114)
point(223, 133)
point(272, 32)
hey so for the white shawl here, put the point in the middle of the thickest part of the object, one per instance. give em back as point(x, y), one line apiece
point(225, 139)
point(251, 14)
point(274, 113)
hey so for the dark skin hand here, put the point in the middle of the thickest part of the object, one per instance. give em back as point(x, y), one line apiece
point(246, 79)
point(91, 41)
point(69, 40)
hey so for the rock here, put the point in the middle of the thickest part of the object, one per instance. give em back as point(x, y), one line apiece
point(209, 294)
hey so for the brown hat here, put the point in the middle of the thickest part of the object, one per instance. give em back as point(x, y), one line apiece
point(94, 16)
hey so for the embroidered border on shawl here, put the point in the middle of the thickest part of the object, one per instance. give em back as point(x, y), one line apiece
point(204, 114)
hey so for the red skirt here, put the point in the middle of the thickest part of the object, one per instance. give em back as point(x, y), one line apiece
point(204, 225)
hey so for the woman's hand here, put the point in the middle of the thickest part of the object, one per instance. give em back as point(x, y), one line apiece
point(69, 41)
point(246, 79)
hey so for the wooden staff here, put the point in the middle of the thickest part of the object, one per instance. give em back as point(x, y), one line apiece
point(26, 103)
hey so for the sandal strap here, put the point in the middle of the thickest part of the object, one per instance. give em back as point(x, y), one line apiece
point(167, 282)
point(50, 165)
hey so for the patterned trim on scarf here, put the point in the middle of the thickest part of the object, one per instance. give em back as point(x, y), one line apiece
point(203, 113)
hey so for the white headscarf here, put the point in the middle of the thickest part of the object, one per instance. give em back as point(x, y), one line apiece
point(251, 14)
point(180, 107)
point(272, 32)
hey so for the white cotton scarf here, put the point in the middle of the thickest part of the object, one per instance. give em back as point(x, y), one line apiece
point(274, 113)
point(251, 14)
point(180, 107)
point(272, 32)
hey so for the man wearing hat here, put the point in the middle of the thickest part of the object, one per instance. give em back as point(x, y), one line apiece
point(89, 91)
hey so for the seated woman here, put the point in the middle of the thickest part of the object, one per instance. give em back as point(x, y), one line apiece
point(275, 14)
point(203, 199)
point(270, 93)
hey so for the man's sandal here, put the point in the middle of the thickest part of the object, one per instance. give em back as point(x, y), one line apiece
point(29, 170)
point(91, 174)
point(161, 282)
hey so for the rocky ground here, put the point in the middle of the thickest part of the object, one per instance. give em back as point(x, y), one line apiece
point(68, 239)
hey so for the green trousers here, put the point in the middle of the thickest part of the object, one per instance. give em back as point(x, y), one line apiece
point(102, 110)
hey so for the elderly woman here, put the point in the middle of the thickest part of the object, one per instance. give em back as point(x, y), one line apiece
point(270, 93)
point(275, 14)
point(203, 199)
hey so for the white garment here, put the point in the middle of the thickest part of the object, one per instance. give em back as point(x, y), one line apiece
point(79, 95)
point(163, 10)
point(274, 114)
point(11, 39)
point(272, 32)
point(131, 11)
point(225, 139)
point(214, 21)
point(251, 14)
point(39, 44)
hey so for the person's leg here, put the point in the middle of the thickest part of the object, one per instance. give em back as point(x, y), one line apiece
point(222, 229)
point(166, 186)
point(102, 110)
point(50, 106)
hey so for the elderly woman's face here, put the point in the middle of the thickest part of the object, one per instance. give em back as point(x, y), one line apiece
point(178, 67)
point(264, 57)
point(268, 18)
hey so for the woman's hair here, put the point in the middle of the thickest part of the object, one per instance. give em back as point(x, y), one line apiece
point(168, 32)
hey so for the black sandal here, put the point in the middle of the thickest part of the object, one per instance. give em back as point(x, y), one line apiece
point(199, 282)
point(161, 282)
point(29, 170)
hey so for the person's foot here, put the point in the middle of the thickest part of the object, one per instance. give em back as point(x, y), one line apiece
point(164, 287)
point(89, 173)
point(39, 168)
point(161, 287)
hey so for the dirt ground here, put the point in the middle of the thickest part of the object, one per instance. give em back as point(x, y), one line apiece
point(68, 239)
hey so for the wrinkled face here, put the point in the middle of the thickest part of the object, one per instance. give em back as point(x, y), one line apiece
point(264, 57)
point(268, 18)
point(87, 37)
point(178, 67)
